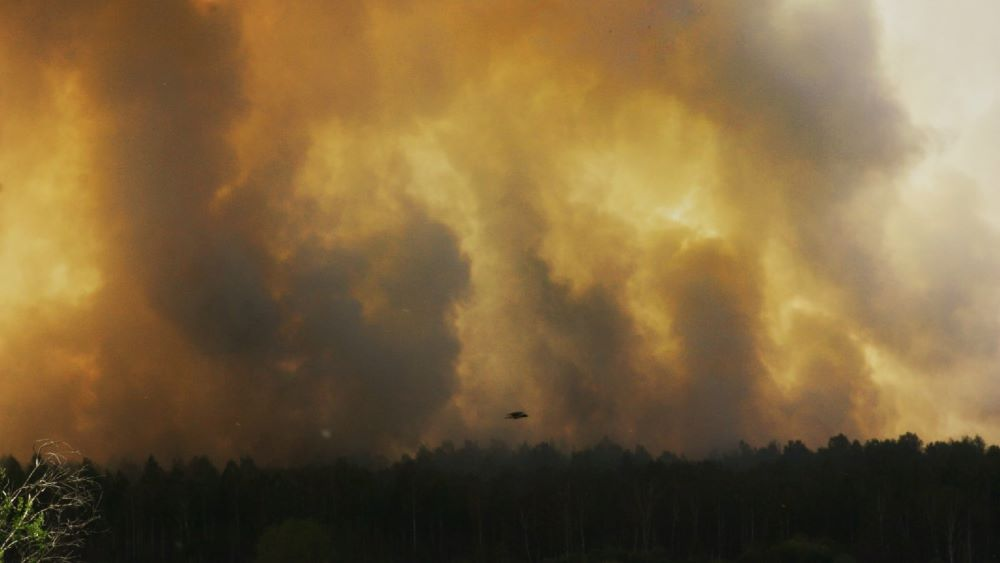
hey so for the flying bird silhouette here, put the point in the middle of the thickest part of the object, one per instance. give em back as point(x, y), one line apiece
point(516, 415)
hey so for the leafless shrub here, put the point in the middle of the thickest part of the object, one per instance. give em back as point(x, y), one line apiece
point(47, 516)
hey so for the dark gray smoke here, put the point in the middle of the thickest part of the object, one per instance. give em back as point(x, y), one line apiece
point(310, 228)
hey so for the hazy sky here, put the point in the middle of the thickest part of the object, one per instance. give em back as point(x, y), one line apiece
point(307, 228)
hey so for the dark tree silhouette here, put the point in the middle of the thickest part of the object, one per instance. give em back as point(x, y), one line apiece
point(882, 500)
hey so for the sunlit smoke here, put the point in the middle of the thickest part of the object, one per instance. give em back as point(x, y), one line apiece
point(310, 228)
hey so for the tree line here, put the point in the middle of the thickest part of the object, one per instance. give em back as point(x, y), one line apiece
point(881, 500)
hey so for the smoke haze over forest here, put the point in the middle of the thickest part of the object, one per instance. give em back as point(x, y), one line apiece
point(296, 228)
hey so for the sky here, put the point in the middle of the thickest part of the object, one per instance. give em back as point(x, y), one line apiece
point(304, 229)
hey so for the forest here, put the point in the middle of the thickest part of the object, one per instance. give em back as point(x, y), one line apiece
point(880, 500)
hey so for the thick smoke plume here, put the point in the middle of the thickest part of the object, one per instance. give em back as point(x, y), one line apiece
point(289, 229)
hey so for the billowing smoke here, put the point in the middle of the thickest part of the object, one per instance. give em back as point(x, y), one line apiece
point(308, 228)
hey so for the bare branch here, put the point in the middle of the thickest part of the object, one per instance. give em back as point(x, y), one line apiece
point(48, 516)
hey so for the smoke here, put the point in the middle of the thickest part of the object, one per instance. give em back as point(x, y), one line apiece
point(303, 229)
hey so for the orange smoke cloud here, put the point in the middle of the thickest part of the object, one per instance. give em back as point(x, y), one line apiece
point(287, 229)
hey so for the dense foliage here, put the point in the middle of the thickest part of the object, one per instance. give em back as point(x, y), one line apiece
point(884, 500)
